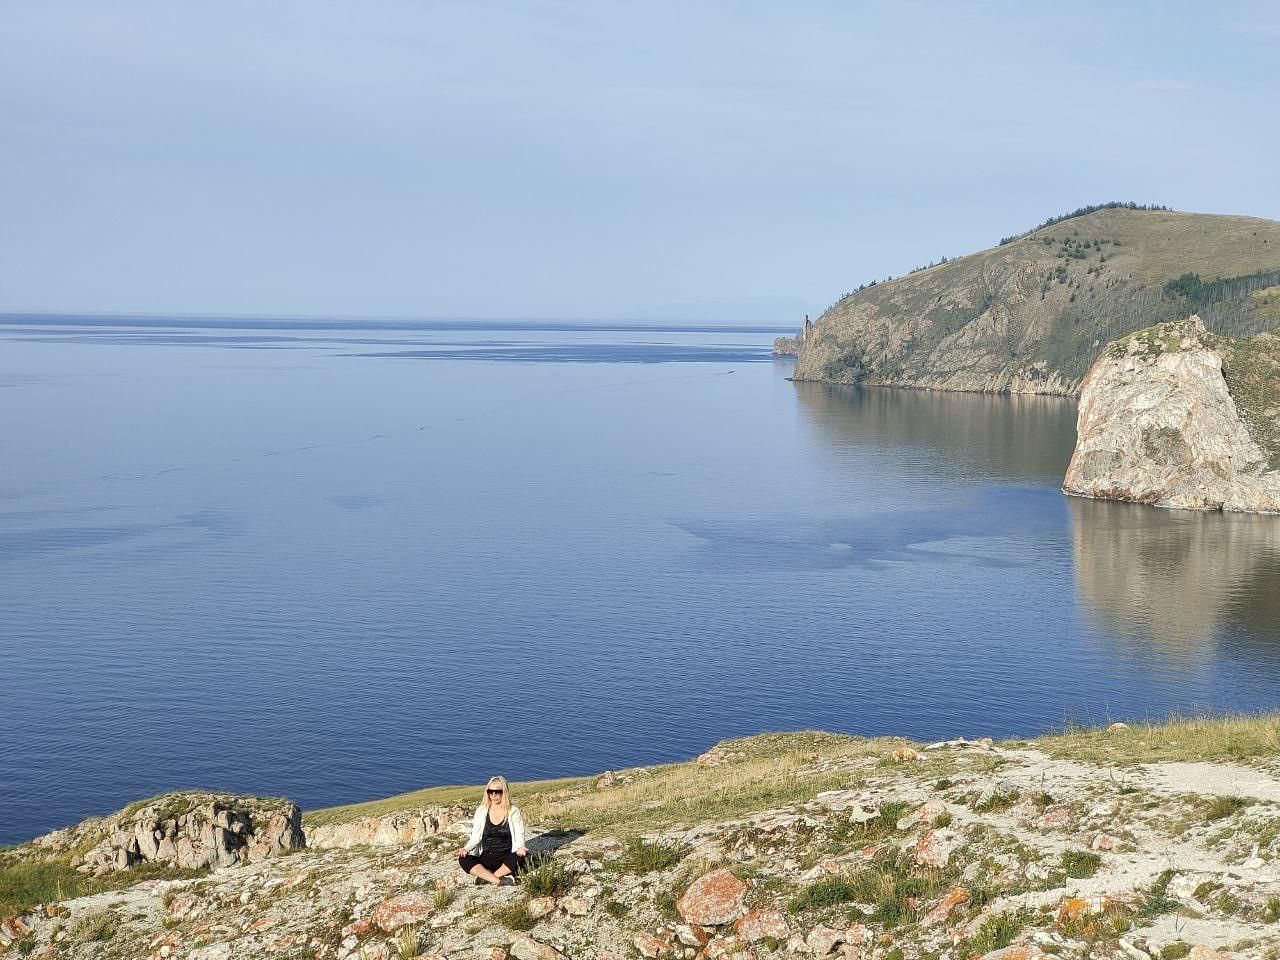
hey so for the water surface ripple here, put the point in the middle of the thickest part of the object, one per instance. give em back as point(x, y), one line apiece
point(339, 560)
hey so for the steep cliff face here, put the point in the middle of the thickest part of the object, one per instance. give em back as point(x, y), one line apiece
point(1159, 424)
point(1030, 316)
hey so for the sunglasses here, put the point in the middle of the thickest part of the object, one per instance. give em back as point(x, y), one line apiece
point(493, 793)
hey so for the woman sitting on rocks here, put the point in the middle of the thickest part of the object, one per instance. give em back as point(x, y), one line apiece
point(497, 836)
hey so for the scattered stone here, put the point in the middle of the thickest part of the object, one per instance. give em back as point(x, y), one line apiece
point(713, 899)
point(718, 756)
point(758, 924)
point(942, 910)
point(1027, 951)
point(406, 908)
point(691, 936)
point(1105, 841)
point(1058, 818)
point(927, 813)
point(524, 947)
point(935, 848)
point(822, 940)
point(651, 945)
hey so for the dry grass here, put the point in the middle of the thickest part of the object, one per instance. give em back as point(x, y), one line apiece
point(436, 797)
point(1238, 737)
point(1160, 245)
point(778, 769)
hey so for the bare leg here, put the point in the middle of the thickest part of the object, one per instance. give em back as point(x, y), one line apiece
point(479, 871)
point(502, 871)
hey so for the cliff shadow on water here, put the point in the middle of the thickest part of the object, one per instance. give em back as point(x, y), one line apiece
point(1179, 576)
point(959, 435)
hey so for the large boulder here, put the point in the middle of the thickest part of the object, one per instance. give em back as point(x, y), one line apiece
point(1159, 422)
point(187, 831)
point(391, 830)
point(714, 898)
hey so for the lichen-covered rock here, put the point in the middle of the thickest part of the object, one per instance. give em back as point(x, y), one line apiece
point(188, 831)
point(713, 899)
point(1158, 424)
point(396, 912)
point(391, 830)
point(758, 924)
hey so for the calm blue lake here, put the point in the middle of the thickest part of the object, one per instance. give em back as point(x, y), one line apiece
point(335, 561)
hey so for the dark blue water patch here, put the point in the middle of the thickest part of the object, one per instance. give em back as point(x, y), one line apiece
point(25, 542)
point(589, 353)
point(972, 524)
point(319, 324)
point(354, 501)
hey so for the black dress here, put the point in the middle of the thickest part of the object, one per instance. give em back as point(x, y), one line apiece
point(495, 850)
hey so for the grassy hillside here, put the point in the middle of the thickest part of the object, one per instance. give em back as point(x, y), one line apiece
point(773, 769)
point(1030, 315)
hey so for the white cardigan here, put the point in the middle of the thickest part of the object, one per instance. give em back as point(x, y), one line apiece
point(477, 828)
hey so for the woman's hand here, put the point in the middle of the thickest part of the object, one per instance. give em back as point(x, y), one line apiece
point(460, 852)
point(522, 852)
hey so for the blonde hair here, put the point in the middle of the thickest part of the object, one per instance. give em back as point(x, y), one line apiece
point(495, 782)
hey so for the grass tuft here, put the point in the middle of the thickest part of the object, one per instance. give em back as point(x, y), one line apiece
point(408, 942)
point(642, 856)
point(1225, 806)
point(546, 877)
point(1079, 864)
point(826, 892)
point(1228, 737)
point(515, 916)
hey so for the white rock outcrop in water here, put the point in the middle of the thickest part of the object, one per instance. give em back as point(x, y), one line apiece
point(1158, 424)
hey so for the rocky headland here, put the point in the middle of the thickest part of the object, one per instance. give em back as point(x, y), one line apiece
point(1176, 417)
point(1139, 842)
point(1031, 314)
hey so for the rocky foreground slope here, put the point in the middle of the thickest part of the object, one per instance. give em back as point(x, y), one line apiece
point(1176, 417)
point(805, 845)
point(1031, 315)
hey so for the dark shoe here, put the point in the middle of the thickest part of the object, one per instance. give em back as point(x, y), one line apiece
point(507, 881)
point(480, 882)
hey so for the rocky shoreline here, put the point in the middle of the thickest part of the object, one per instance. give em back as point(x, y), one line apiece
point(781, 846)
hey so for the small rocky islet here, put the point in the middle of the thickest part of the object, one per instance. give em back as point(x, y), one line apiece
point(1142, 842)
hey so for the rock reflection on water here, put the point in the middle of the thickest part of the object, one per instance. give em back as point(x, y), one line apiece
point(1172, 575)
point(964, 434)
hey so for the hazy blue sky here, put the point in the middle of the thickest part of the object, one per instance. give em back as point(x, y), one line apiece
point(694, 160)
